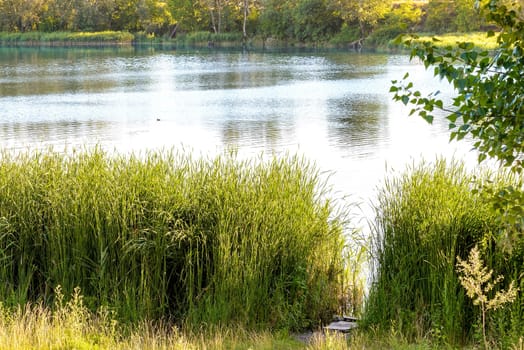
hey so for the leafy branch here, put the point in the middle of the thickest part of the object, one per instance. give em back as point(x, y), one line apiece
point(489, 101)
point(488, 105)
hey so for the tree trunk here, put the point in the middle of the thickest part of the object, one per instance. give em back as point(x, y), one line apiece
point(173, 31)
point(219, 11)
point(246, 12)
point(212, 14)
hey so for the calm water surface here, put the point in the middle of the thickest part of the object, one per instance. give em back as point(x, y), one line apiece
point(332, 108)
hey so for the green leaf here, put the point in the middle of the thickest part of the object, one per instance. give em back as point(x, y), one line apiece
point(482, 157)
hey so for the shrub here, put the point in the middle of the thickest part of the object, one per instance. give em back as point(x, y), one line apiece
point(383, 35)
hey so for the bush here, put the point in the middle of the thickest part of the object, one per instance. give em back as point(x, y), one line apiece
point(383, 35)
point(441, 17)
point(347, 34)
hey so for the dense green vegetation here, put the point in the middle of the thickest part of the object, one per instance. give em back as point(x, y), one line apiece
point(431, 219)
point(312, 21)
point(426, 218)
point(124, 228)
point(9, 38)
point(168, 237)
point(228, 242)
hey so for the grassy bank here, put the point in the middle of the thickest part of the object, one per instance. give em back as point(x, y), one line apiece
point(379, 40)
point(166, 236)
point(118, 38)
point(385, 40)
point(65, 38)
point(479, 39)
point(426, 218)
point(70, 325)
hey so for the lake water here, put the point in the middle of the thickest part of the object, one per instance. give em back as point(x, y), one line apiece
point(332, 108)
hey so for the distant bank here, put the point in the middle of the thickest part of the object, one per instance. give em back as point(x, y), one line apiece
point(211, 40)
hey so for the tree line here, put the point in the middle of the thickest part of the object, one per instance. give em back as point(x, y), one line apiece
point(301, 20)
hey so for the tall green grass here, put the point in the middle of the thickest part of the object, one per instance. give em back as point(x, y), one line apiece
point(65, 38)
point(162, 235)
point(427, 217)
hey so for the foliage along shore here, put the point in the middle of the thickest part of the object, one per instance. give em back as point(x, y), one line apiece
point(167, 251)
point(66, 38)
point(299, 21)
point(219, 41)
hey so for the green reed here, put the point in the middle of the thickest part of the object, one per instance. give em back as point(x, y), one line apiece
point(425, 218)
point(161, 235)
point(65, 38)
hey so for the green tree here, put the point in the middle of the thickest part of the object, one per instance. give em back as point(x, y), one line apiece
point(276, 20)
point(125, 16)
point(406, 15)
point(154, 16)
point(440, 16)
point(314, 20)
point(450, 16)
point(189, 15)
point(93, 15)
point(215, 8)
point(367, 13)
point(489, 101)
point(403, 18)
point(467, 18)
point(57, 15)
point(20, 15)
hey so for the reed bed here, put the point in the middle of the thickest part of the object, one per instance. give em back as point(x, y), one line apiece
point(65, 38)
point(167, 236)
point(426, 217)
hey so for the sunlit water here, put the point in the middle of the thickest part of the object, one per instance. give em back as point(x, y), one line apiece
point(332, 108)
